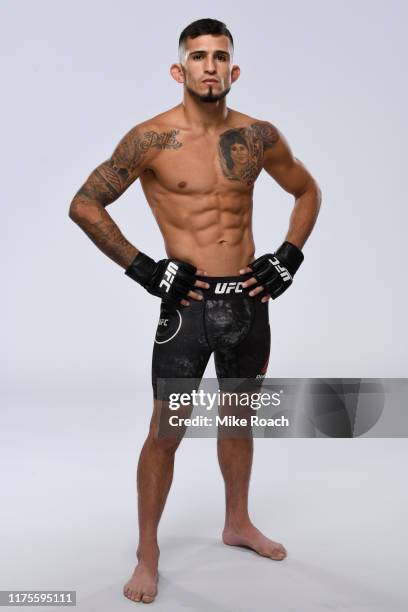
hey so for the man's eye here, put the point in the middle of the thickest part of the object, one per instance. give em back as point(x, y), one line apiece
point(221, 57)
point(197, 56)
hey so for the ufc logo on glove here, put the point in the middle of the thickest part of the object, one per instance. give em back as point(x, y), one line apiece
point(282, 271)
point(169, 273)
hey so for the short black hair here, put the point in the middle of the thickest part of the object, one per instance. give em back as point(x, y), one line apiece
point(205, 26)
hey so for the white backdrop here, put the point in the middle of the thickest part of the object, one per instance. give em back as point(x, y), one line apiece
point(77, 334)
point(79, 75)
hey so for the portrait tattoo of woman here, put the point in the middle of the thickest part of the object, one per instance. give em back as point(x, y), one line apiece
point(241, 151)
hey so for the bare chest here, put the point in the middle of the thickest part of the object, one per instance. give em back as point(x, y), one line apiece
point(226, 162)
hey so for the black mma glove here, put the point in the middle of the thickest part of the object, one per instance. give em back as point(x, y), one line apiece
point(275, 271)
point(168, 278)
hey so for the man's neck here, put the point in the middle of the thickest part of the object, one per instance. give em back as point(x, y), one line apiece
point(204, 115)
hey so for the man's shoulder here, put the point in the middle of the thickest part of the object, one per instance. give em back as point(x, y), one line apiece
point(165, 121)
point(259, 128)
point(238, 119)
point(145, 139)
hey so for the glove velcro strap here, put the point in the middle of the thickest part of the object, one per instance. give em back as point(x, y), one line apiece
point(290, 256)
point(141, 269)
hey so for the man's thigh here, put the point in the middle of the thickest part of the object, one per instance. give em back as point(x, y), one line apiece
point(241, 367)
point(180, 351)
point(249, 357)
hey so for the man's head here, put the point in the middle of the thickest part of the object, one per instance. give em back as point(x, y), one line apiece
point(206, 48)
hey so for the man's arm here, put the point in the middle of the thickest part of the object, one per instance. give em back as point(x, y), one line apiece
point(103, 186)
point(273, 273)
point(291, 174)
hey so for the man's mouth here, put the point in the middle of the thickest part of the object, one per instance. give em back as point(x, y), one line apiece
point(210, 81)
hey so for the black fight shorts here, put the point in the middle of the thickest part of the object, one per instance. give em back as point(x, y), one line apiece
point(227, 322)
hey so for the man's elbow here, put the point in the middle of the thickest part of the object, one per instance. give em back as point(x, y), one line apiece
point(82, 211)
point(319, 193)
point(314, 188)
point(75, 211)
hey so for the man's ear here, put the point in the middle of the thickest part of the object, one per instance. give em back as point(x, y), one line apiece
point(177, 73)
point(235, 73)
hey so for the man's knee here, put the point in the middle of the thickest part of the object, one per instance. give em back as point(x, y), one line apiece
point(163, 443)
point(162, 432)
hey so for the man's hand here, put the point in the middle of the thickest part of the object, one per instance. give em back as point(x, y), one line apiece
point(169, 279)
point(273, 273)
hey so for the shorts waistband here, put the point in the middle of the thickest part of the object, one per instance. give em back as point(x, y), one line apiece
point(224, 287)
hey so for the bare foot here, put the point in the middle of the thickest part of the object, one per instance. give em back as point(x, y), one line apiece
point(250, 537)
point(142, 586)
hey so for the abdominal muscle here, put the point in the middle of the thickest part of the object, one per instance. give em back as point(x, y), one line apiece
point(212, 232)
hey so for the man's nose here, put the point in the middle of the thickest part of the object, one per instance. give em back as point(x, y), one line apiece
point(209, 66)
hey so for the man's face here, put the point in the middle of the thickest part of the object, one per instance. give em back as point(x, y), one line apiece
point(207, 67)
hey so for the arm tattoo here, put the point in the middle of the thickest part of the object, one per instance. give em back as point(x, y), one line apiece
point(103, 231)
point(241, 150)
point(107, 182)
point(103, 185)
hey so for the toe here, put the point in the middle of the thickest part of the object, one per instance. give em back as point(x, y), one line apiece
point(149, 595)
point(147, 598)
point(128, 593)
point(279, 553)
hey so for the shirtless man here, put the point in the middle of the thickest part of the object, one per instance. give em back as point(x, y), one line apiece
point(197, 164)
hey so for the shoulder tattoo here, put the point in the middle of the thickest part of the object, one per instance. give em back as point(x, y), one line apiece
point(110, 179)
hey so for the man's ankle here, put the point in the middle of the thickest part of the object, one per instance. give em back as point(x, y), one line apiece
point(235, 523)
point(147, 550)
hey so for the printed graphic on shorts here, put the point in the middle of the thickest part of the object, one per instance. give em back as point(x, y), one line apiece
point(262, 373)
point(228, 321)
point(169, 325)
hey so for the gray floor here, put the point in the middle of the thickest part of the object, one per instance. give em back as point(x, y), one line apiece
point(69, 514)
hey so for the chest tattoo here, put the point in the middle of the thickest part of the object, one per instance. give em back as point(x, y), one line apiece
point(162, 140)
point(241, 150)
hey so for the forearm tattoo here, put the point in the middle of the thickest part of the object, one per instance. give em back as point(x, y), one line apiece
point(103, 231)
point(241, 150)
point(107, 182)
